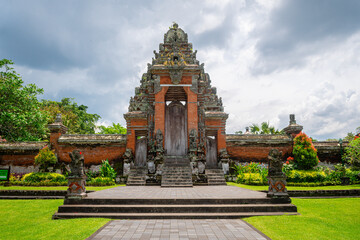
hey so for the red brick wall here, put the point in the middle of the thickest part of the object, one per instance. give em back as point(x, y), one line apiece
point(256, 148)
point(93, 154)
point(18, 159)
point(255, 153)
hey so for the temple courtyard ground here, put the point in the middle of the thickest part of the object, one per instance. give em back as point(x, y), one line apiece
point(324, 218)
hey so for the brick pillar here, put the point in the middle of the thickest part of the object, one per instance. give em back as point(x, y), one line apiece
point(56, 130)
point(160, 110)
point(192, 113)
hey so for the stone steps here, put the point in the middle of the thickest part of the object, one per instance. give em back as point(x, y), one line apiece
point(174, 207)
point(169, 215)
point(215, 208)
point(215, 176)
point(176, 172)
point(167, 201)
point(137, 177)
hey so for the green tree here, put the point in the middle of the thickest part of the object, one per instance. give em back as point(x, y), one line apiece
point(352, 153)
point(349, 137)
point(74, 117)
point(116, 128)
point(21, 118)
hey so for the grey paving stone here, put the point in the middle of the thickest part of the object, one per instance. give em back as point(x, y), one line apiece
point(178, 229)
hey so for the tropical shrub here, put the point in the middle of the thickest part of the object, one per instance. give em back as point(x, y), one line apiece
point(44, 178)
point(91, 174)
point(45, 159)
point(305, 154)
point(101, 181)
point(306, 176)
point(352, 153)
point(252, 173)
point(106, 170)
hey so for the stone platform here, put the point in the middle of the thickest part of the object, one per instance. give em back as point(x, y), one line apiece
point(154, 202)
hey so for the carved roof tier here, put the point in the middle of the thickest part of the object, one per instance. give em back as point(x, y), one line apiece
point(175, 58)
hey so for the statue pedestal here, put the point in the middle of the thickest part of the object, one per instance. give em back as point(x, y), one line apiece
point(277, 189)
point(76, 187)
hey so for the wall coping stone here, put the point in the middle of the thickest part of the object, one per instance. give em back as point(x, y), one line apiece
point(21, 146)
point(249, 139)
point(92, 138)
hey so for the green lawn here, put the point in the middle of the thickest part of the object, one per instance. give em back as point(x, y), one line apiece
point(262, 188)
point(31, 219)
point(89, 188)
point(320, 219)
point(336, 218)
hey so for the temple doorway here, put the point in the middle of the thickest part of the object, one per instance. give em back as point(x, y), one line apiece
point(140, 151)
point(175, 129)
point(211, 152)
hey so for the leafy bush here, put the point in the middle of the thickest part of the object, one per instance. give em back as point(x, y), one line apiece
point(252, 173)
point(298, 176)
point(45, 158)
point(90, 175)
point(101, 181)
point(352, 154)
point(106, 170)
point(44, 178)
point(305, 154)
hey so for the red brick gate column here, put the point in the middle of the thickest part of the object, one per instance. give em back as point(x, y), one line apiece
point(192, 118)
point(160, 110)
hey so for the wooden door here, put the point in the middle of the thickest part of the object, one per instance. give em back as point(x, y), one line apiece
point(175, 129)
point(211, 152)
point(140, 152)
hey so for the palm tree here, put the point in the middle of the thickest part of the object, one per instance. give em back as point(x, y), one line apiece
point(254, 128)
point(265, 128)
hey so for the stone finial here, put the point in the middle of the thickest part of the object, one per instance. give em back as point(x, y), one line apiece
point(58, 118)
point(293, 129)
point(292, 119)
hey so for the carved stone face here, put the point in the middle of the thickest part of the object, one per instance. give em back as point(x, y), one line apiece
point(175, 76)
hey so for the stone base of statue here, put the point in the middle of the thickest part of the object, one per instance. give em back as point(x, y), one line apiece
point(277, 189)
point(76, 187)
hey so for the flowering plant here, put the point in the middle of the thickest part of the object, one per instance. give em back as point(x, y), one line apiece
point(305, 154)
point(45, 158)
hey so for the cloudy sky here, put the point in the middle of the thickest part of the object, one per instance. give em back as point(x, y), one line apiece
point(267, 58)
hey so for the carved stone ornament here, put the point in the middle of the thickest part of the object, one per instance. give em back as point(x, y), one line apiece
point(77, 164)
point(176, 75)
point(276, 178)
point(128, 156)
point(77, 178)
point(275, 163)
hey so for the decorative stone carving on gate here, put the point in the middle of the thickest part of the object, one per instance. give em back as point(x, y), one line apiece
point(77, 178)
point(224, 160)
point(159, 146)
point(276, 177)
point(128, 158)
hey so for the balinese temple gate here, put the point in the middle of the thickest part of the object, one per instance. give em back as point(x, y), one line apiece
point(175, 122)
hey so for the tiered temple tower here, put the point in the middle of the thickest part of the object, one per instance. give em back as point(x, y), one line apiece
point(176, 122)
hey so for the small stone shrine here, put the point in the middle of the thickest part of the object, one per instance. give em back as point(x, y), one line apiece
point(77, 178)
point(175, 119)
point(276, 177)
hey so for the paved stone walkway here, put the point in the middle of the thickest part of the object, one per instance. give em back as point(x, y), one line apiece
point(196, 192)
point(221, 229)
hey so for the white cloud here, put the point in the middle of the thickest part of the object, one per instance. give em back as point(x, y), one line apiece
point(98, 52)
